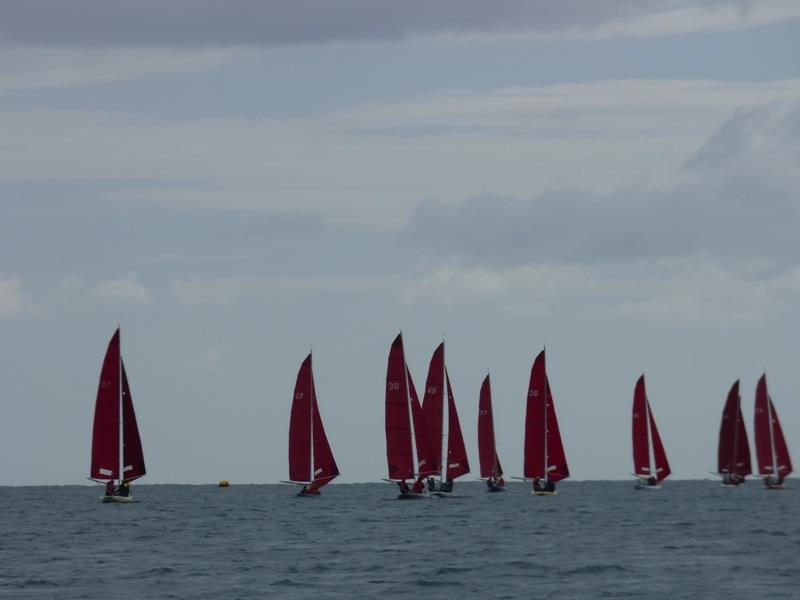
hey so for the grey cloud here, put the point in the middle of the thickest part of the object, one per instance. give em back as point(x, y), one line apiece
point(739, 204)
point(256, 22)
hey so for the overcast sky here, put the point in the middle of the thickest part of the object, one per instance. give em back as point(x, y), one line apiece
point(238, 182)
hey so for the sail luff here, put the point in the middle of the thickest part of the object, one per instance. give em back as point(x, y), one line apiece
point(399, 453)
point(300, 425)
point(105, 459)
point(639, 431)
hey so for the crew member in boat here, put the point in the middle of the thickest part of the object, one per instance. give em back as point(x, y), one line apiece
point(419, 486)
point(403, 486)
point(431, 484)
point(490, 482)
point(124, 489)
point(447, 485)
point(501, 482)
point(313, 488)
point(110, 487)
point(773, 481)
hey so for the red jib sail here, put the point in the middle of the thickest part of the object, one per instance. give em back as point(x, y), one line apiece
point(645, 433)
point(433, 404)
point(733, 452)
point(457, 463)
point(105, 431)
point(544, 452)
point(487, 451)
point(132, 455)
point(310, 455)
point(771, 451)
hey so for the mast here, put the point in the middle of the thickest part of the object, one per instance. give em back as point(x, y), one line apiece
point(546, 429)
point(311, 418)
point(121, 416)
point(445, 420)
point(651, 453)
point(414, 457)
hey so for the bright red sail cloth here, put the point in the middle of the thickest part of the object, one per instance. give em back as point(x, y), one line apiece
point(544, 452)
point(300, 425)
point(487, 452)
point(457, 462)
point(659, 456)
point(768, 436)
point(433, 404)
point(399, 456)
point(132, 454)
point(105, 431)
point(325, 468)
point(426, 464)
point(641, 449)
point(733, 451)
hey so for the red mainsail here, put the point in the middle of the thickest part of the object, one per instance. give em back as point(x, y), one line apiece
point(399, 455)
point(544, 452)
point(433, 404)
point(645, 434)
point(771, 450)
point(733, 451)
point(426, 464)
point(457, 463)
point(310, 455)
point(487, 451)
point(106, 429)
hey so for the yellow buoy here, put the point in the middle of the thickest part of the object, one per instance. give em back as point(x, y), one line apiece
point(224, 483)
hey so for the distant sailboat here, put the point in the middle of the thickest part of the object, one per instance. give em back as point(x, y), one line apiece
point(116, 445)
point(409, 453)
point(454, 463)
point(491, 470)
point(311, 461)
point(733, 453)
point(649, 459)
point(774, 462)
point(545, 462)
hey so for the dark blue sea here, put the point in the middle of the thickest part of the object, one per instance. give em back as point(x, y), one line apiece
point(593, 540)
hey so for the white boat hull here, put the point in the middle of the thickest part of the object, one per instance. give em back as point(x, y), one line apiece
point(639, 486)
point(118, 499)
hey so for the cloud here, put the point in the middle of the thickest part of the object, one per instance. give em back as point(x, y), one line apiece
point(739, 204)
point(245, 22)
point(13, 300)
point(125, 289)
point(224, 290)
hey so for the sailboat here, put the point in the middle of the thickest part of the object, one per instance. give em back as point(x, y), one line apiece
point(774, 462)
point(408, 449)
point(311, 461)
point(545, 462)
point(453, 463)
point(116, 445)
point(491, 470)
point(649, 459)
point(733, 452)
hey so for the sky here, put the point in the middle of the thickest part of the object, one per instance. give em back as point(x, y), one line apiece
point(237, 183)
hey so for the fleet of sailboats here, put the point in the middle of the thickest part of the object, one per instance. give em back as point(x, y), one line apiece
point(425, 448)
point(650, 462)
point(311, 462)
point(733, 451)
point(774, 462)
point(116, 446)
point(545, 463)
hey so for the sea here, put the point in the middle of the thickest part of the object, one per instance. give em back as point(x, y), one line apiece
point(690, 539)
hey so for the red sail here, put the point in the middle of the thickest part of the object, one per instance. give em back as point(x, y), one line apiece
point(642, 420)
point(425, 462)
point(325, 469)
point(300, 425)
point(641, 446)
point(457, 463)
point(771, 451)
point(659, 456)
point(544, 453)
point(733, 452)
point(132, 455)
point(105, 432)
point(487, 452)
point(433, 404)
point(399, 456)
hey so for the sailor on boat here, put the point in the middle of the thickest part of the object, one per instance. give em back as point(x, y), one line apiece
point(773, 481)
point(732, 479)
point(403, 486)
point(123, 490)
point(543, 485)
point(419, 486)
point(110, 487)
point(431, 484)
